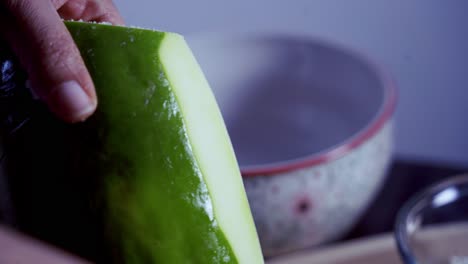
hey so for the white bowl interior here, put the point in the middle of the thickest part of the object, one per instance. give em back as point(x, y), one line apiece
point(287, 98)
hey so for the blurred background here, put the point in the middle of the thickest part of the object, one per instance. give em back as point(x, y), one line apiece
point(422, 42)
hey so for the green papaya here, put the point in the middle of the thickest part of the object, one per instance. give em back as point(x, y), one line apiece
point(151, 177)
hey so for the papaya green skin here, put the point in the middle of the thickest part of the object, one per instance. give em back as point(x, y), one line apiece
point(125, 182)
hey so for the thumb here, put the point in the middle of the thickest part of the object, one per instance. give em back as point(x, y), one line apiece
point(45, 48)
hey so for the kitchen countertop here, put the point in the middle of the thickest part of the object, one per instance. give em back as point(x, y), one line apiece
point(405, 178)
point(380, 249)
point(371, 240)
point(377, 249)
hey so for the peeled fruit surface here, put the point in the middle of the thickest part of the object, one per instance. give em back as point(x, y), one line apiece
point(151, 177)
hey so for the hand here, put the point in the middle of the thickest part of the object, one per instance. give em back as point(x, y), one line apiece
point(36, 33)
point(20, 249)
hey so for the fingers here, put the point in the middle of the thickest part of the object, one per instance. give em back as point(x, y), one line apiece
point(57, 73)
point(17, 248)
point(91, 10)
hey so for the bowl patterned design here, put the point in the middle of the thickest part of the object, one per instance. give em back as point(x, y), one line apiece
point(311, 124)
point(314, 205)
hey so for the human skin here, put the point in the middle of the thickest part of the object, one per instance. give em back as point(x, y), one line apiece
point(35, 32)
point(19, 249)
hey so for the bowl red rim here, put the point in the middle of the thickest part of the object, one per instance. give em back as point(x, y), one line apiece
point(384, 114)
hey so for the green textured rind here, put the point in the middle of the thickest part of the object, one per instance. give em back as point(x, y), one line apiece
point(151, 177)
point(156, 205)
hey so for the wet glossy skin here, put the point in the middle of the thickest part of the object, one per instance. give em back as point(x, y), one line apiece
point(130, 166)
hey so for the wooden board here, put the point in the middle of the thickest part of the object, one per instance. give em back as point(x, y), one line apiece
point(382, 249)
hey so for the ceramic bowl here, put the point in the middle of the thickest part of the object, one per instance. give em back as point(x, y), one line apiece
point(311, 125)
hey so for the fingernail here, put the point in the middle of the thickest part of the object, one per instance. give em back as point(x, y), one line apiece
point(69, 101)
